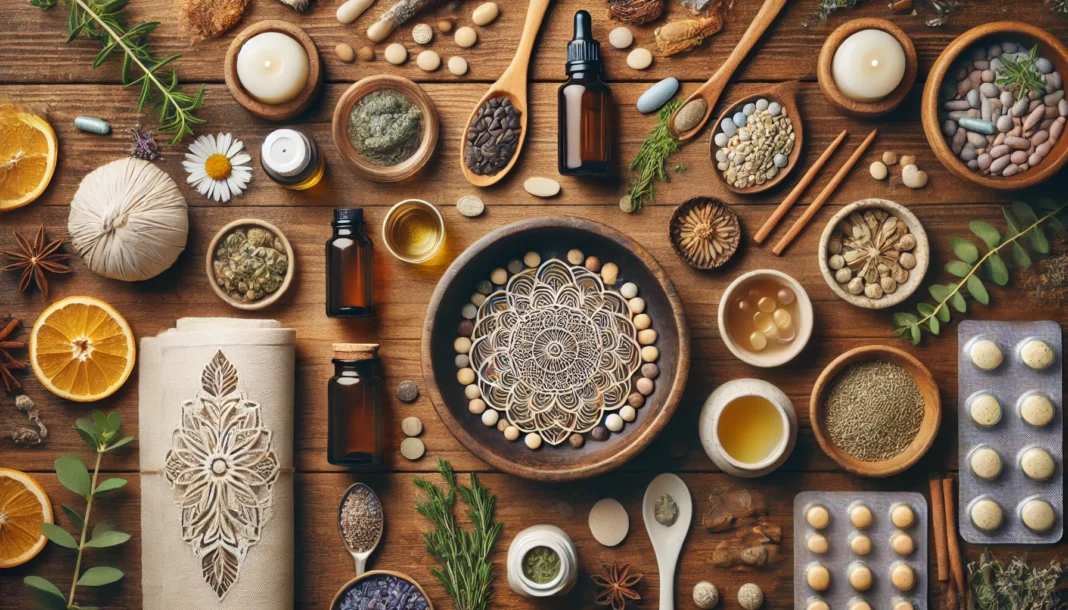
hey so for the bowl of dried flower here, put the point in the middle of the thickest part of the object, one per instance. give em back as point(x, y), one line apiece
point(704, 232)
point(250, 264)
point(874, 253)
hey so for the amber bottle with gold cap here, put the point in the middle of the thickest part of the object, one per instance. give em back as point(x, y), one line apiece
point(354, 433)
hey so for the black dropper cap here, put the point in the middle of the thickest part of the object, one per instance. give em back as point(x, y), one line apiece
point(583, 52)
point(345, 216)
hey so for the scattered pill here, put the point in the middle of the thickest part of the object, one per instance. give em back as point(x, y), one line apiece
point(466, 37)
point(621, 37)
point(428, 61)
point(407, 391)
point(92, 125)
point(541, 187)
point(640, 59)
point(412, 426)
point(366, 53)
point(422, 33)
point(485, 13)
point(412, 448)
point(396, 54)
point(458, 65)
point(344, 52)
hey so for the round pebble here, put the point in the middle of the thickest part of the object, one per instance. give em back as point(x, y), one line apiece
point(511, 433)
point(499, 276)
point(1036, 354)
point(650, 353)
point(465, 328)
point(532, 440)
point(644, 386)
point(614, 422)
point(412, 426)
point(502, 425)
point(913, 177)
point(485, 13)
point(470, 206)
point(469, 311)
point(774, 108)
point(472, 392)
point(576, 440)
point(428, 61)
point(648, 336)
point(740, 119)
point(515, 266)
point(650, 370)
point(458, 65)
point(366, 53)
point(1036, 410)
point(444, 26)
point(889, 157)
point(532, 259)
point(477, 406)
point(780, 160)
point(642, 321)
point(462, 345)
point(985, 410)
point(639, 59)
point(490, 417)
point(462, 360)
point(466, 37)
point(627, 413)
point(609, 522)
point(902, 544)
point(465, 376)
point(985, 354)
point(636, 305)
point(610, 273)
point(636, 399)
point(878, 170)
point(575, 256)
point(422, 33)
point(396, 54)
point(344, 52)
point(621, 37)
point(629, 290)
point(412, 448)
point(407, 391)
point(600, 433)
point(592, 263)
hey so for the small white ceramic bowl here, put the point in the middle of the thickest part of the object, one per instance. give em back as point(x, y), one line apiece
point(708, 425)
point(804, 324)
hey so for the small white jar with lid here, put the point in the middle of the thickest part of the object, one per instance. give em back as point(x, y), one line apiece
point(554, 539)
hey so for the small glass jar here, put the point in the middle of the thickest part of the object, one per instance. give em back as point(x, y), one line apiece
point(292, 159)
point(349, 267)
point(557, 541)
point(354, 395)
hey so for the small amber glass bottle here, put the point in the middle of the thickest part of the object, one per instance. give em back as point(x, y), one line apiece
point(585, 108)
point(292, 159)
point(349, 267)
point(354, 434)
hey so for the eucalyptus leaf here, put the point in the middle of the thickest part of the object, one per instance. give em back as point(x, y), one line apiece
point(1020, 255)
point(986, 232)
point(1057, 226)
point(958, 268)
point(115, 421)
point(933, 324)
point(902, 332)
point(75, 519)
point(74, 475)
point(916, 334)
point(1047, 204)
point(958, 302)
point(58, 535)
point(903, 318)
point(1024, 213)
point(999, 273)
point(965, 250)
point(119, 443)
point(45, 593)
point(978, 290)
point(1012, 227)
point(109, 485)
point(926, 309)
point(939, 292)
point(101, 528)
point(98, 576)
point(101, 422)
point(943, 313)
point(89, 439)
point(111, 538)
point(1039, 243)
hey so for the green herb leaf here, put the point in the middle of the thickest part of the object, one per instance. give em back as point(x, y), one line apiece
point(101, 422)
point(1020, 255)
point(1057, 226)
point(106, 539)
point(58, 535)
point(916, 334)
point(1024, 213)
point(88, 432)
point(74, 475)
point(933, 324)
point(978, 290)
point(902, 318)
point(943, 312)
point(114, 422)
point(75, 519)
point(119, 443)
point(939, 292)
point(99, 576)
point(925, 309)
point(958, 268)
point(999, 273)
point(1047, 204)
point(1012, 228)
point(1039, 243)
point(45, 593)
point(965, 250)
point(958, 302)
point(101, 528)
point(109, 485)
point(986, 232)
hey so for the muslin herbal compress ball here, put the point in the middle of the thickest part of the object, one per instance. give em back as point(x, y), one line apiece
point(128, 220)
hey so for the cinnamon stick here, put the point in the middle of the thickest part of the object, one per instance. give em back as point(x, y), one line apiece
point(824, 195)
point(795, 194)
point(938, 521)
point(951, 537)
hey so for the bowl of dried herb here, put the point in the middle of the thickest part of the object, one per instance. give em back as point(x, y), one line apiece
point(250, 264)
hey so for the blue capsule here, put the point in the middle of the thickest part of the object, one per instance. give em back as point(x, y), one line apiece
point(92, 125)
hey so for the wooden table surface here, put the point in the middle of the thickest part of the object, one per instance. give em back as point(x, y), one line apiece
point(36, 67)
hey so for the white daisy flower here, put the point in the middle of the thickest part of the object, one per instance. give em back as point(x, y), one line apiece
point(217, 166)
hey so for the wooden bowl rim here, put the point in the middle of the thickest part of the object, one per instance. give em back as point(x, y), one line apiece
point(866, 109)
point(786, 95)
point(804, 334)
point(1056, 51)
point(286, 110)
point(267, 301)
point(932, 410)
point(649, 430)
point(685, 206)
point(916, 274)
point(365, 575)
point(520, 102)
point(354, 160)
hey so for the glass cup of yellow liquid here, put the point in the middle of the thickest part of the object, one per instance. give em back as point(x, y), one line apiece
point(413, 231)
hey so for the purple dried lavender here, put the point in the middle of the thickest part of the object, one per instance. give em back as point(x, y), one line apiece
point(144, 145)
point(383, 592)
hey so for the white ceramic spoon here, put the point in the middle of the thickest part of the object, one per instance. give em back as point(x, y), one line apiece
point(360, 559)
point(667, 540)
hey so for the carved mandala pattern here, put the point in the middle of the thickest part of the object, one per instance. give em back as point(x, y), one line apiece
point(222, 470)
point(554, 350)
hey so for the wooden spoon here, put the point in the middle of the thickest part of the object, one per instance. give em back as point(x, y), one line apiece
point(713, 88)
point(513, 85)
point(786, 95)
point(667, 540)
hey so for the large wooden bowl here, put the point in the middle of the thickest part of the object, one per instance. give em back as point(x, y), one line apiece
point(1014, 31)
point(932, 410)
point(553, 237)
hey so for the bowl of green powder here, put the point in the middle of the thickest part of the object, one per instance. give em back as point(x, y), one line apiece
point(385, 128)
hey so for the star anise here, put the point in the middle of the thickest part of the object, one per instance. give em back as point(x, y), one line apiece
point(36, 258)
point(617, 584)
point(8, 362)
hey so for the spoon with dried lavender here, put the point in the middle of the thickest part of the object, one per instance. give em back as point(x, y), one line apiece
point(667, 510)
point(360, 521)
point(694, 113)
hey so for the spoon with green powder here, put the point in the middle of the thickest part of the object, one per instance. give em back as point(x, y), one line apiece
point(667, 511)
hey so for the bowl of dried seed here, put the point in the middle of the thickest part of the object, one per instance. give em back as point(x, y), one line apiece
point(874, 253)
point(875, 410)
point(250, 264)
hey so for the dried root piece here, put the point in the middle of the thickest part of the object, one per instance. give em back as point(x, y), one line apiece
point(211, 18)
point(28, 436)
point(635, 12)
point(685, 34)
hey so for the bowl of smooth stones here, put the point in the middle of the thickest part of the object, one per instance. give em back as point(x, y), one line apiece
point(753, 144)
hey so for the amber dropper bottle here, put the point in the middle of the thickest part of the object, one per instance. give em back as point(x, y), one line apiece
point(585, 108)
point(349, 267)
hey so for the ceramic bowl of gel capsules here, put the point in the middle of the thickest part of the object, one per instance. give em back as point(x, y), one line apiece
point(765, 318)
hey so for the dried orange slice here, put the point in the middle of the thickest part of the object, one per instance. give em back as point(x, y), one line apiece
point(82, 349)
point(24, 507)
point(28, 155)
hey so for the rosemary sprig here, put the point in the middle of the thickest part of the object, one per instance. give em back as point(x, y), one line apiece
point(651, 160)
point(910, 326)
point(466, 571)
point(103, 22)
point(1021, 76)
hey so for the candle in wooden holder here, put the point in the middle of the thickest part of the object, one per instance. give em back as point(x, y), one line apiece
point(868, 65)
point(273, 67)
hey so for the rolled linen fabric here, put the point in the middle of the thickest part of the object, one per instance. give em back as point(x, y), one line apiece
point(216, 435)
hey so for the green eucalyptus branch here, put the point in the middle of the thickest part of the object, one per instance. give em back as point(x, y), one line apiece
point(102, 21)
point(969, 264)
point(102, 434)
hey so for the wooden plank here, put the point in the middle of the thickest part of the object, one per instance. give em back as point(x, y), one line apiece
point(324, 566)
point(787, 52)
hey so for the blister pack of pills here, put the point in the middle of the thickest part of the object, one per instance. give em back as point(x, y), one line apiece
point(858, 550)
point(1010, 430)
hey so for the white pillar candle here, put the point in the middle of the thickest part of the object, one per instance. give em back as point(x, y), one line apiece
point(868, 66)
point(272, 67)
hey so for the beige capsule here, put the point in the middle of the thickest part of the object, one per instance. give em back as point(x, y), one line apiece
point(466, 37)
point(485, 13)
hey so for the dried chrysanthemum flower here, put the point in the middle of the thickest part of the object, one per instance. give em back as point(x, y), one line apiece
point(705, 232)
